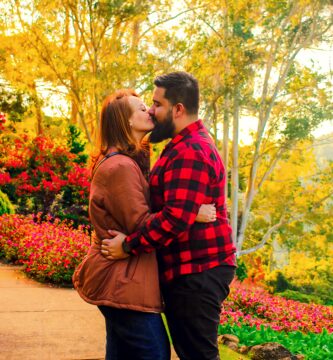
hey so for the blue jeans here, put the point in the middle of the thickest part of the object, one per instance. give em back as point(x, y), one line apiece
point(134, 335)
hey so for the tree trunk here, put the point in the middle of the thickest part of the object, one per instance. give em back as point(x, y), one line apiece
point(216, 140)
point(226, 107)
point(84, 125)
point(133, 53)
point(225, 151)
point(38, 109)
point(234, 168)
point(74, 112)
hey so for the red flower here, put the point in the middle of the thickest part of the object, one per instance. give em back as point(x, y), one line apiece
point(2, 121)
point(15, 163)
point(24, 176)
point(28, 188)
point(4, 179)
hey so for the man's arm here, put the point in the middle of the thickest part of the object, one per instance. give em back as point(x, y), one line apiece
point(185, 186)
point(117, 248)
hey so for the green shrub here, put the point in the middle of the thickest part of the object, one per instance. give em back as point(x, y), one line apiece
point(277, 282)
point(319, 292)
point(241, 270)
point(6, 206)
point(313, 346)
point(301, 297)
point(76, 144)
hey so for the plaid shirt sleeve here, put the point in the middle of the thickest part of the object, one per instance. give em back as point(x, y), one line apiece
point(185, 183)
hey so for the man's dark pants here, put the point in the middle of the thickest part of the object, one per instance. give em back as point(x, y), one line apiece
point(193, 307)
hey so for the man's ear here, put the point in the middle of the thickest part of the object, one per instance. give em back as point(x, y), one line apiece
point(179, 110)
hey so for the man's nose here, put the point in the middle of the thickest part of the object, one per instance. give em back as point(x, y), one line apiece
point(151, 111)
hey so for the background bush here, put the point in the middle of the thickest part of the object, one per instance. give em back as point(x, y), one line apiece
point(315, 285)
point(298, 296)
point(41, 176)
point(241, 270)
point(277, 282)
point(6, 206)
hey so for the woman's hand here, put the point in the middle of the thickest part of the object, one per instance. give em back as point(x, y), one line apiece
point(112, 248)
point(207, 213)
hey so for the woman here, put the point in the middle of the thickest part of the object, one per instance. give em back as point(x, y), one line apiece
point(126, 291)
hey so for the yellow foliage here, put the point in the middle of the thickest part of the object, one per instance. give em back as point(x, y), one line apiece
point(306, 272)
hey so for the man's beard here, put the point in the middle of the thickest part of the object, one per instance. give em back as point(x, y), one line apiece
point(163, 130)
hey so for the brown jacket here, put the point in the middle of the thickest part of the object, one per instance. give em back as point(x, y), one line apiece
point(119, 200)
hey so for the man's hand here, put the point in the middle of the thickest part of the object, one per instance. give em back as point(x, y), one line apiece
point(112, 248)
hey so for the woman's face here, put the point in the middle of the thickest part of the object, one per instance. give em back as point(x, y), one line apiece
point(140, 121)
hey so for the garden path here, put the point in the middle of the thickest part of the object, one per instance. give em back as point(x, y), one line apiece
point(41, 322)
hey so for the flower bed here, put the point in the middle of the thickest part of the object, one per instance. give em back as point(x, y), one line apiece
point(49, 251)
point(248, 305)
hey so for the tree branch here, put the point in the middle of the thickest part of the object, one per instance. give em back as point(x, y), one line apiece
point(169, 19)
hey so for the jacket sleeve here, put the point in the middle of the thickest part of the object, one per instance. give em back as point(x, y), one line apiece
point(124, 196)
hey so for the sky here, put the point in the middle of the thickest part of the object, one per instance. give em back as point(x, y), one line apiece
point(322, 60)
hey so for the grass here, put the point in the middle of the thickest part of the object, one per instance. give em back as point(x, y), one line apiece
point(228, 354)
point(225, 352)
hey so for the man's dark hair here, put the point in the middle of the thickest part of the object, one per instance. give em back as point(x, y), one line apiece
point(180, 87)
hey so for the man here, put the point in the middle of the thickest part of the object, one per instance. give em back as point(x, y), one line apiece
point(196, 260)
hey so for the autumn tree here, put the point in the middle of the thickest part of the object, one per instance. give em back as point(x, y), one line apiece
point(245, 54)
point(298, 196)
point(83, 48)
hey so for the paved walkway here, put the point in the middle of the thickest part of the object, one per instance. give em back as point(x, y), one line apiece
point(41, 322)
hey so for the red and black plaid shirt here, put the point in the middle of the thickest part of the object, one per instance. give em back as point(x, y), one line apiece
point(188, 173)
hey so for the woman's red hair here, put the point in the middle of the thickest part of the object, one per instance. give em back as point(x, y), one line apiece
point(115, 130)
